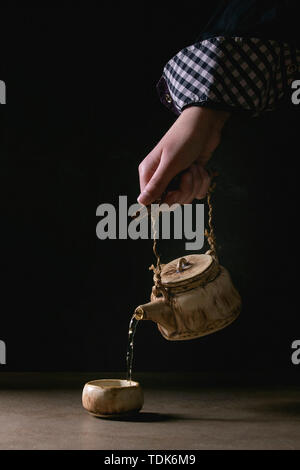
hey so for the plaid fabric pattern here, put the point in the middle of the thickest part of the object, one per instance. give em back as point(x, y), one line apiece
point(250, 74)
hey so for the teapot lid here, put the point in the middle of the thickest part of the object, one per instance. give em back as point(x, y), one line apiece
point(183, 270)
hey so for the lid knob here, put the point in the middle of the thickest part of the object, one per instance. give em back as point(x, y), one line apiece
point(182, 265)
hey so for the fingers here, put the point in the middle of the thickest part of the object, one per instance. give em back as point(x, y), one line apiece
point(183, 195)
point(205, 182)
point(197, 182)
point(148, 167)
point(194, 184)
point(154, 188)
point(156, 172)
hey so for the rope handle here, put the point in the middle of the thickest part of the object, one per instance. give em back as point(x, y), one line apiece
point(209, 234)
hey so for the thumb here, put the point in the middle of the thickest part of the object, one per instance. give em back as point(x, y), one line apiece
point(157, 184)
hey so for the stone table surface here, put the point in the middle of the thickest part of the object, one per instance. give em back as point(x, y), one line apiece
point(181, 411)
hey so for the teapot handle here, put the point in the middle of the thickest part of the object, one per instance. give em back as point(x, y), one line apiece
point(209, 233)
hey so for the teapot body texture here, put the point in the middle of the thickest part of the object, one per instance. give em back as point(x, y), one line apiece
point(199, 299)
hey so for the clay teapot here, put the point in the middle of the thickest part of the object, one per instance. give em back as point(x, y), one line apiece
point(192, 297)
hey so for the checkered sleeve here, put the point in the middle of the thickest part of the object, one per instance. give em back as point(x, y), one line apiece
point(246, 74)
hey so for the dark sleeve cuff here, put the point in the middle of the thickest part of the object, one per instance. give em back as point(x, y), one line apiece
point(165, 96)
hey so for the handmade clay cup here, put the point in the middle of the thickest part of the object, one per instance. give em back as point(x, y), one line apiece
point(110, 398)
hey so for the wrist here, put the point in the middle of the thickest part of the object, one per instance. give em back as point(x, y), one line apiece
point(212, 117)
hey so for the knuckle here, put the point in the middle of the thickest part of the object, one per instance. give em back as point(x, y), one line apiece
point(167, 150)
point(152, 187)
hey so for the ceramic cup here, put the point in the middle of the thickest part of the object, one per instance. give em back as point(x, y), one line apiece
point(109, 398)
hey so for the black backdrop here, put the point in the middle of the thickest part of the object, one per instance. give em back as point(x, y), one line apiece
point(82, 111)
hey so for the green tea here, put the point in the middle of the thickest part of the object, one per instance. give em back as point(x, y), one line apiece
point(129, 357)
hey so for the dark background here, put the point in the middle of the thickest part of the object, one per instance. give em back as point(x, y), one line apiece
point(82, 111)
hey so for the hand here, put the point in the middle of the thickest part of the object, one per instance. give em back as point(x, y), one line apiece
point(187, 145)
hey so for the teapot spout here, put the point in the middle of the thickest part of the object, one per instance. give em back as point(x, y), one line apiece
point(158, 311)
